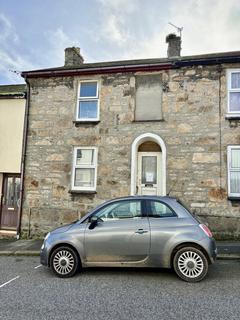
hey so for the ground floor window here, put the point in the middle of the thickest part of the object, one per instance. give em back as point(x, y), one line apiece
point(234, 171)
point(84, 173)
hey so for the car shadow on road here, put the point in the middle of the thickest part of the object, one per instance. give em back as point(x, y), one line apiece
point(129, 271)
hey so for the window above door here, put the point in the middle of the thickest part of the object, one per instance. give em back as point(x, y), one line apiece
point(148, 98)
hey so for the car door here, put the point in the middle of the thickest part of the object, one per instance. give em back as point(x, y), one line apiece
point(121, 235)
point(164, 226)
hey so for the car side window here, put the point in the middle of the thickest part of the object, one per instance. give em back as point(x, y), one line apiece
point(159, 209)
point(120, 210)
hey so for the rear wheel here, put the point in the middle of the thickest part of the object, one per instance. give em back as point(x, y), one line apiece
point(64, 262)
point(190, 264)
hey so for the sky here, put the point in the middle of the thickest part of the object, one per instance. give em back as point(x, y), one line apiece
point(34, 34)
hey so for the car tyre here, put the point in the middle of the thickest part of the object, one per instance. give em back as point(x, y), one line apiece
point(64, 262)
point(190, 264)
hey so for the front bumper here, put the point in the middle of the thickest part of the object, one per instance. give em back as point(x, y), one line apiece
point(44, 254)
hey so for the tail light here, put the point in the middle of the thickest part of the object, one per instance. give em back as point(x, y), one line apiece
point(206, 230)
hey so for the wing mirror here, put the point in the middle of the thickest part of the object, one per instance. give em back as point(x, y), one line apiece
point(93, 222)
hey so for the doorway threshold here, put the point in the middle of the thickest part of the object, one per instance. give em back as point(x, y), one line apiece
point(8, 233)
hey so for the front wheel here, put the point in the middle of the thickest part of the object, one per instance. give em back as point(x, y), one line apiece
point(64, 262)
point(190, 264)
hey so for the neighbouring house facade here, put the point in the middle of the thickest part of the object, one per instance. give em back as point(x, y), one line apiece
point(154, 126)
point(12, 110)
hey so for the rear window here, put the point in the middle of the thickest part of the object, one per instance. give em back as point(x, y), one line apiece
point(159, 209)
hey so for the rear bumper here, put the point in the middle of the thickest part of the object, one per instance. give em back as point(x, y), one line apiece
point(212, 250)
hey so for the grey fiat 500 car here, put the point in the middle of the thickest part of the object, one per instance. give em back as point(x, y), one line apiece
point(138, 231)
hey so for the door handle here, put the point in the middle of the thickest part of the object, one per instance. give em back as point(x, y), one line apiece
point(141, 231)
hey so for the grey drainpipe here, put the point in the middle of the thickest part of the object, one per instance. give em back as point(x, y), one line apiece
point(24, 147)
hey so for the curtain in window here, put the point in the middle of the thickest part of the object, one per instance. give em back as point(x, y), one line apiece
point(235, 182)
point(88, 89)
point(235, 171)
point(84, 157)
point(84, 177)
point(149, 169)
point(88, 109)
point(235, 80)
point(234, 101)
point(235, 163)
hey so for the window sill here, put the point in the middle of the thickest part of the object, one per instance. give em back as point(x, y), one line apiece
point(83, 191)
point(230, 116)
point(231, 198)
point(86, 121)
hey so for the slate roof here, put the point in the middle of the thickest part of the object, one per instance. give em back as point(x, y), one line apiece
point(13, 90)
point(133, 65)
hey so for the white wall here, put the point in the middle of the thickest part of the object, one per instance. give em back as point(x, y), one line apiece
point(11, 134)
point(1, 177)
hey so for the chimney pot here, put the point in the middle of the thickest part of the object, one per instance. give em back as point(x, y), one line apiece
point(73, 57)
point(174, 45)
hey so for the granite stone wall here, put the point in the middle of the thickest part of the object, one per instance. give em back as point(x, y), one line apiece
point(193, 127)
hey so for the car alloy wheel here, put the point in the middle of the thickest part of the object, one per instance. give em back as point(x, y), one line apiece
point(64, 262)
point(190, 264)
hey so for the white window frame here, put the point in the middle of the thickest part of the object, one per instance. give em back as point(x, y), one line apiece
point(93, 98)
point(230, 169)
point(87, 166)
point(229, 78)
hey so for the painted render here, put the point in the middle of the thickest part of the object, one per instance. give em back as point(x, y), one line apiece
point(12, 117)
point(11, 134)
point(193, 128)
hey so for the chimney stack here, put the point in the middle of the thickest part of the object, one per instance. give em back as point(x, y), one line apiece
point(174, 45)
point(73, 58)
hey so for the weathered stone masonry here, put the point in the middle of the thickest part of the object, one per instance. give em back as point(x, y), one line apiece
point(193, 128)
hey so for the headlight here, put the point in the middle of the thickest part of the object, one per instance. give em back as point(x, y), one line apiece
point(47, 236)
point(45, 240)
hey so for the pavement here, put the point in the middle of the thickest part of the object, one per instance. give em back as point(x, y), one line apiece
point(226, 249)
point(20, 247)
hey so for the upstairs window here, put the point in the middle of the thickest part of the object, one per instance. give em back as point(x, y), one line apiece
point(88, 101)
point(148, 98)
point(234, 171)
point(234, 91)
point(84, 175)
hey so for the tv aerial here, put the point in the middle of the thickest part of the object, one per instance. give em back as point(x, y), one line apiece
point(15, 71)
point(178, 28)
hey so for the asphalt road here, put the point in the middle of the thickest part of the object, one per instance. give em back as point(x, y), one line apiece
point(35, 293)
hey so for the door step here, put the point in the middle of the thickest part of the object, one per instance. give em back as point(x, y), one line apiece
point(8, 234)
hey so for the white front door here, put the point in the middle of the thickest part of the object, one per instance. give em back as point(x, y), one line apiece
point(149, 173)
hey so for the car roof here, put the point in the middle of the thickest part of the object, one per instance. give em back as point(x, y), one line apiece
point(143, 197)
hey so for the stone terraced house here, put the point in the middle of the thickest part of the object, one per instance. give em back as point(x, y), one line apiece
point(153, 126)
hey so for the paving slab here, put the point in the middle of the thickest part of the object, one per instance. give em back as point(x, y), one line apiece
point(20, 247)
